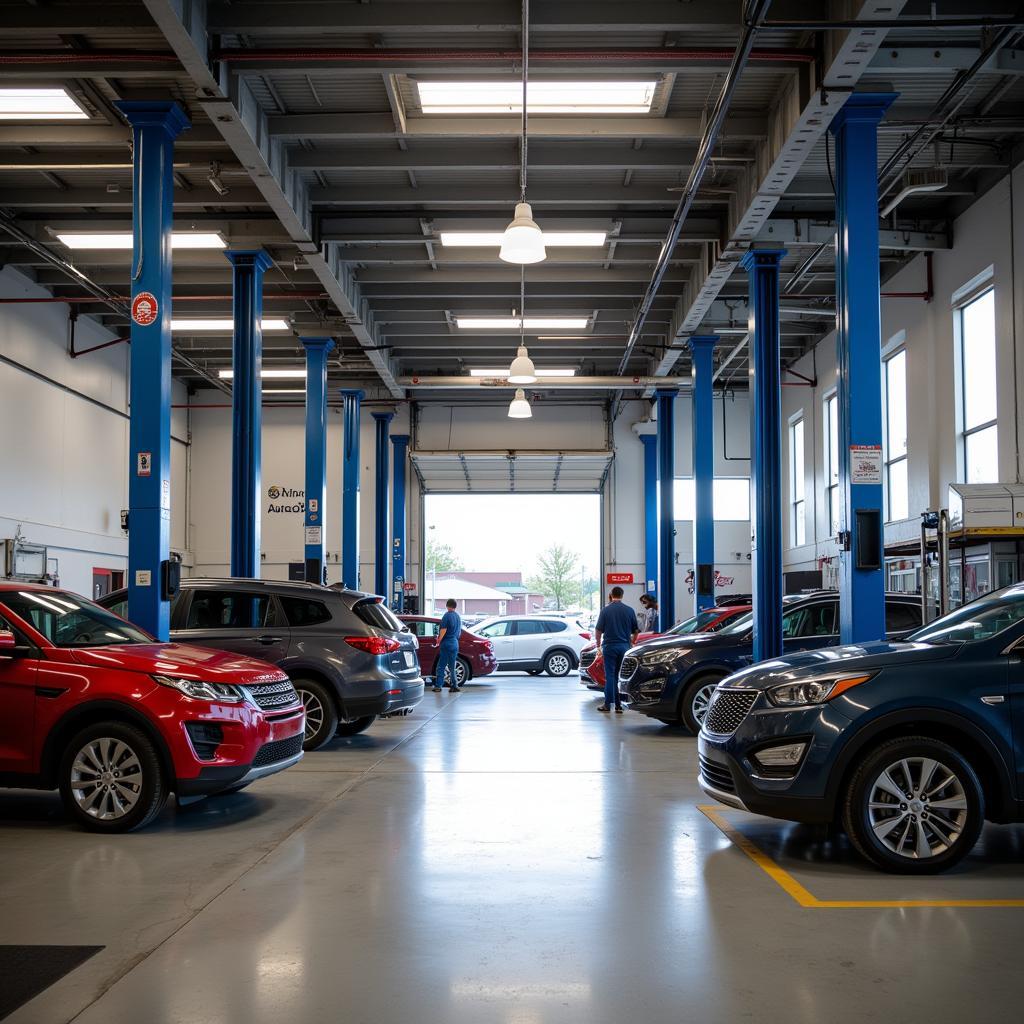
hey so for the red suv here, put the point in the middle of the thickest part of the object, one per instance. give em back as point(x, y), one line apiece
point(476, 655)
point(94, 707)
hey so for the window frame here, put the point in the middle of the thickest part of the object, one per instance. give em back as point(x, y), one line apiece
point(889, 461)
point(830, 419)
point(797, 499)
point(975, 290)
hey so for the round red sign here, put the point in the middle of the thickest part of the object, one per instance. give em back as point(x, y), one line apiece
point(145, 308)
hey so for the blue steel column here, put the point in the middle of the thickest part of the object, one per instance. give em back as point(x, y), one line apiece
point(762, 267)
point(650, 443)
point(317, 351)
point(666, 512)
point(381, 537)
point(247, 269)
point(702, 348)
point(351, 399)
point(858, 350)
point(154, 129)
point(401, 443)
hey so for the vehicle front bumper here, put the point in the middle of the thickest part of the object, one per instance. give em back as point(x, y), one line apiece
point(729, 774)
point(662, 704)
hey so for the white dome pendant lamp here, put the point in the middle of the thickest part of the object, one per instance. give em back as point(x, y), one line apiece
point(523, 241)
point(522, 370)
point(520, 407)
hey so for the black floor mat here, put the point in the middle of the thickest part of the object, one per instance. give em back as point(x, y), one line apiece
point(25, 971)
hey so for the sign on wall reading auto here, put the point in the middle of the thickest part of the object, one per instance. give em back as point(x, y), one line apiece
point(285, 500)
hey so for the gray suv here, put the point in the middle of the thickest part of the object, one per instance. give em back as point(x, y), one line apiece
point(348, 656)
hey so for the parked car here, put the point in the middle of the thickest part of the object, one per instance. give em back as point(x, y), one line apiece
point(94, 707)
point(346, 653)
point(672, 678)
point(534, 643)
point(476, 655)
point(910, 746)
point(711, 620)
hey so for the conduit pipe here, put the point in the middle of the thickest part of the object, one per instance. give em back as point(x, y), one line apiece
point(546, 383)
point(77, 300)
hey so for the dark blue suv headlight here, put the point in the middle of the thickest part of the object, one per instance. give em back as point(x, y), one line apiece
point(816, 690)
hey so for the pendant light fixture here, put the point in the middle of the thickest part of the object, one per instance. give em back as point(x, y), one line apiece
point(523, 241)
point(522, 370)
point(520, 407)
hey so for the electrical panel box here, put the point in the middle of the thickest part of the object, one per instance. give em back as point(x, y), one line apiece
point(24, 561)
point(986, 506)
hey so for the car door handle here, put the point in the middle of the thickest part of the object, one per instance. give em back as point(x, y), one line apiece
point(993, 699)
point(269, 639)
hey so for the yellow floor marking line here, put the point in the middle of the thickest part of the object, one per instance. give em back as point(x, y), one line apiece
point(807, 899)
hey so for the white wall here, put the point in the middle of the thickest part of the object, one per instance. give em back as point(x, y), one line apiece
point(981, 238)
point(64, 438)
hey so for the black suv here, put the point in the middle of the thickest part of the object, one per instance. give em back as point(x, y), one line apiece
point(347, 655)
point(672, 678)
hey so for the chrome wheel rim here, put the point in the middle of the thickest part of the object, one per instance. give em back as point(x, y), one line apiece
point(460, 673)
point(314, 713)
point(558, 664)
point(106, 778)
point(917, 808)
point(702, 701)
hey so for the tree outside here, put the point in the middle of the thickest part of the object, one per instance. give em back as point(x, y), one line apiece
point(442, 558)
point(559, 576)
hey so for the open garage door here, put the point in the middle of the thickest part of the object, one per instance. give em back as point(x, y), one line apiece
point(519, 472)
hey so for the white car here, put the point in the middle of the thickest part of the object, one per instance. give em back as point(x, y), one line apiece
point(535, 643)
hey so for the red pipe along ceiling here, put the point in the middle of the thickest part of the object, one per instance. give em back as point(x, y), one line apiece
point(76, 300)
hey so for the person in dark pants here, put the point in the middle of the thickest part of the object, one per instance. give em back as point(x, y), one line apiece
point(616, 632)
point(448, 648)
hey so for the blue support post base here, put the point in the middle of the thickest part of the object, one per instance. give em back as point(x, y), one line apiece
point(155, 126)
point(762, 266)
point(702, 350)
point(858, 350)
point(317, 351)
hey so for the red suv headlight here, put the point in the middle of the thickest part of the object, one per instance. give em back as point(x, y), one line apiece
point(374, 645)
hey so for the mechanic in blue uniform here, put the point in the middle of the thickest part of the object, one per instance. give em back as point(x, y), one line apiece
point(616, 632)
point(448, 647)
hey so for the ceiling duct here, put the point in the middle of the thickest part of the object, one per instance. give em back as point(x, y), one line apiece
point(931, 179)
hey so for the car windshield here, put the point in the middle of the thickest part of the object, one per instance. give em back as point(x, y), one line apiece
point(739, 626)
point(67, 620)
point(374, 612)
point(696, 623)
point(978, 620)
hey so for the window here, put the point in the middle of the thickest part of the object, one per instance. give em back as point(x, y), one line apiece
point(374, 612)
point(731, 499)
point(977, 350)
point(897, 504)
point(831, 448)
point(530, 627)
point(810, 620)
point(300, 611)
point(423, 628)
point(901, 618)
point(556, 626)
point(70, 621)
point(496, 629)
point(798, 527)
point(226, 609)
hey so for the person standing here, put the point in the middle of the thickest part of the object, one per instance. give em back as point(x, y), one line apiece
point(448, 648)
point(616, 632)
point(649, 619)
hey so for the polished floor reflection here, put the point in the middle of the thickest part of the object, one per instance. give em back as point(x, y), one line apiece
point(506, 855)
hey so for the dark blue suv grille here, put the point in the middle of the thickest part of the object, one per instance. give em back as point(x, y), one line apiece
point(728, 709)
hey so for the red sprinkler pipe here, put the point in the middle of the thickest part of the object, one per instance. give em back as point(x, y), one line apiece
point(928, 294)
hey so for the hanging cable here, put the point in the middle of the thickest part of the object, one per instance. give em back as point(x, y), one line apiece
point(526, 70)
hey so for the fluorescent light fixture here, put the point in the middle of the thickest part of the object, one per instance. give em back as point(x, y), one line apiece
point(552, 239)
point(299, 373)
point(123, 240)
point(559, 337)
point(614, 96)
point(223, 326)
point(39, 105)
point(283, 391)
point(513, 323)
point(555, 371)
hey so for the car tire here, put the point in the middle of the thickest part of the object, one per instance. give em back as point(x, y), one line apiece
point(693, 705)
point(558, 664)
point(321, 713)
point(944, 811)
point(463, 671)
point(131, 783)
point(356, 727)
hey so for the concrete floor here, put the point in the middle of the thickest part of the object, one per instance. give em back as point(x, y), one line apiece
point(507, 855)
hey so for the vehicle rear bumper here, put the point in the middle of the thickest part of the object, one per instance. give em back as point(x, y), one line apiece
point(397, 699)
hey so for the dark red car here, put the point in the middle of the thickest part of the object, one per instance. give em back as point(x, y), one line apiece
point(476, 655)
point(94, 707)
point(708, 621)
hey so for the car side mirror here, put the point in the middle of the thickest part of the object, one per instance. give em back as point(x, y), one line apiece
point(9, 646)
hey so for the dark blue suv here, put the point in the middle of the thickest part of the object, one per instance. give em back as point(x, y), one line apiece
point(909, 746)
point(672, 678)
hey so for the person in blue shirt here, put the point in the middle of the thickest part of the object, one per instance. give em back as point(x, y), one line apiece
point(616, 632)
point(448, 647)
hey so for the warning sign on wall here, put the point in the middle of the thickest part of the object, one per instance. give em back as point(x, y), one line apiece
point(145, 308)
point(865, 463)
point(144, 464)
